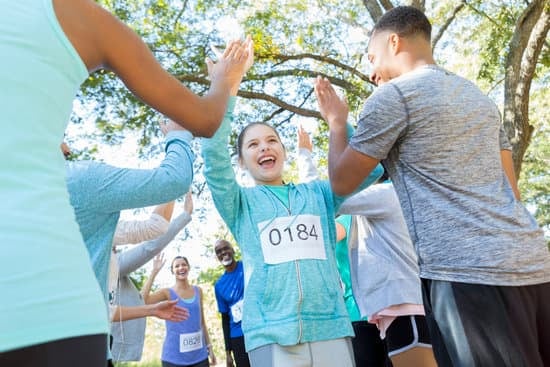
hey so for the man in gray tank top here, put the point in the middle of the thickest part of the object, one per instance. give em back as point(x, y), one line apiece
point(483, 260)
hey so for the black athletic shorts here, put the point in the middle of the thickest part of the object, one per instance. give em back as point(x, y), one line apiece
point(476, 325)
point(407, 332)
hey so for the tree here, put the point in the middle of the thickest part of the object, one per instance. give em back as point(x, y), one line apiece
point(500, 44)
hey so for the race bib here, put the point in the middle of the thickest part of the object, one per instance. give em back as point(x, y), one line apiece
point(190, 342)
point(237, 311)
point(292, 238)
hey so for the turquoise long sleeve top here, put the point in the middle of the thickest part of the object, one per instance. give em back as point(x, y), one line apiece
point(47, 286)
point(99, 191)
point(287, 237)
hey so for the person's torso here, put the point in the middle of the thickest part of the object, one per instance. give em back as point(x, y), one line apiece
point(128, 336)
point(459, 206)
point(40, 73)
point(185, 342)
point(230, 288)
point(291, 280)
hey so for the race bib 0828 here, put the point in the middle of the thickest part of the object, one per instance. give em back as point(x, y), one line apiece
point(190, 341)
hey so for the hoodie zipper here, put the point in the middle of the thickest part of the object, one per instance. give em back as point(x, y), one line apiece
point(297, 266)
point(300, 299)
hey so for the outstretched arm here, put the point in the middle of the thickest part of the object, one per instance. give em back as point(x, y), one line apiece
point(165, 310)
point(211, 354)
point(347, 167)
point(136, 231)
point(134, 258)
point(306, 168)
point(218, 170)
point(160, 295)
point(103, 41)
point(508, 166)
point(227, 339)
point(103, 188)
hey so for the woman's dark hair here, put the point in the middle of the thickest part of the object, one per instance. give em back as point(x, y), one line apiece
point(240, 137)
point(174, 260)
point(405, 21)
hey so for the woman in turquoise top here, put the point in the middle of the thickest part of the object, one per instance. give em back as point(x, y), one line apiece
point(56, 315)
point(293, 306)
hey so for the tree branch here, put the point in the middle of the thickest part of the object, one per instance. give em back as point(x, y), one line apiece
point(483, 14)
point(419, 4)
point(302, 73)
point(321, 58)
point(374, 9)
point(180, 13)
point(278, 102)
point(386, 4)
point(447, 23)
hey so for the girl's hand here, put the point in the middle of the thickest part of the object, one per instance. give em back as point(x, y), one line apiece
point(304, 141)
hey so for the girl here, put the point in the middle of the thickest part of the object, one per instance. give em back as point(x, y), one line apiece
point(293, 309)
point(187, 343)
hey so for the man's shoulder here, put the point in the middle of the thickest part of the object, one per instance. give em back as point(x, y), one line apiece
point(220, 279)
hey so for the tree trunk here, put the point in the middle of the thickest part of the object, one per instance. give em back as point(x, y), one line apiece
point(524, 50)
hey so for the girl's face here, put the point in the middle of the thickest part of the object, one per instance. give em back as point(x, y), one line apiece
point(180, 268)
point(263, 155)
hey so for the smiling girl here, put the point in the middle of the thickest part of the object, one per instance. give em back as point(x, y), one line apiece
point(293, 309)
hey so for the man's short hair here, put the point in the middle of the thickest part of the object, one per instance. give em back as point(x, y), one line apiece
point(405, 21)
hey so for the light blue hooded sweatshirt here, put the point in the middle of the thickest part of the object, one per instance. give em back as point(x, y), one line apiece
point(293, 301)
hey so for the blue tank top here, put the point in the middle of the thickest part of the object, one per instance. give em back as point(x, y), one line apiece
point(46, 280)
point(185, 343)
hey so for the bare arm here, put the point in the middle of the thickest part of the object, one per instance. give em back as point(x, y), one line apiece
point(508, 166)
point(165, 210)
point(347, 167)
point(160, 295)
point(103, 41)
point(134, 258)
point(165, 310)
point(205, 331)
point(307, 171)
point(341, 232)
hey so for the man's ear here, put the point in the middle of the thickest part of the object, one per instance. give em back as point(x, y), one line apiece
point(395, 43)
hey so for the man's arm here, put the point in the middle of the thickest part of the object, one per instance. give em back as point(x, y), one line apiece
point(508, 167)
point(347, 168)
point(226, 332)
